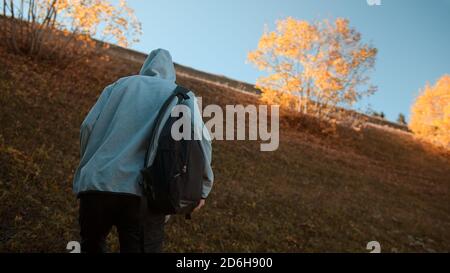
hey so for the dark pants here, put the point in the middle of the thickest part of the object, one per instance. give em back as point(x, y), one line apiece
point(100, 211)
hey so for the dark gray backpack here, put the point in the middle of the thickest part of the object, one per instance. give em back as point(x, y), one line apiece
point(173, 183)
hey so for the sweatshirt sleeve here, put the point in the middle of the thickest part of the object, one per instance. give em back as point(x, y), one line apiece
point(208, 176)
point(205, 141)
point(91, 118)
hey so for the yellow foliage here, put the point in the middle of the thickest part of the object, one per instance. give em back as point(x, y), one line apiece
point(104, 19)
point(308, 62)
point(430, 114)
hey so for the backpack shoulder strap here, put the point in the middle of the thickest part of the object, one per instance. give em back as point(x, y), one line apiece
point(181, 93)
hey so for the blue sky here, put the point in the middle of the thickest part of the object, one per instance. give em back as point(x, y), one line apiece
point(412, 36)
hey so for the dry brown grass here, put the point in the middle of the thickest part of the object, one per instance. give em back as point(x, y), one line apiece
point(317, 192)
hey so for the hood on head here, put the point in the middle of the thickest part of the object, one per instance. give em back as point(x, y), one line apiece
point(159, 64)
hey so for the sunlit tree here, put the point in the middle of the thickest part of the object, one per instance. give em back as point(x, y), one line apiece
point(54, 27)
point(313, 67)
point(430, 114)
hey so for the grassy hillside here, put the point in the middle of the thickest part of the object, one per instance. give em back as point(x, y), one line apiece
point(317, 192)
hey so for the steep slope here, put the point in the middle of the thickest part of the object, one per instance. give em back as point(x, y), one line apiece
point(317, 192)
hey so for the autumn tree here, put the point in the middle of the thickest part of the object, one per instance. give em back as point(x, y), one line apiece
point(401, 119)
point(59, 28)
point(313, 67)
point(430, 113)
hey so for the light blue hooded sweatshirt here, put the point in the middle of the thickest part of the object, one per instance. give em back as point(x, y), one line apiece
point(115, 134)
